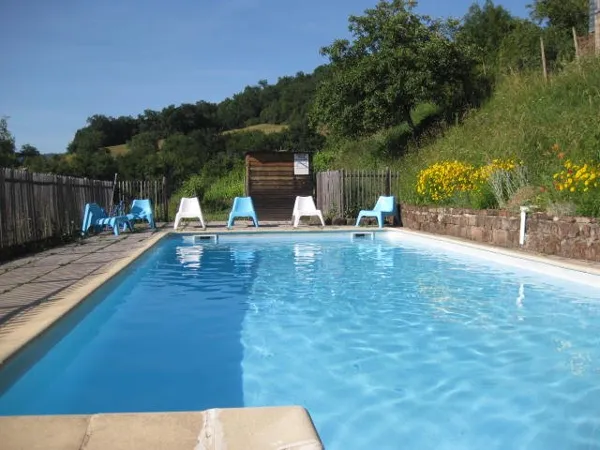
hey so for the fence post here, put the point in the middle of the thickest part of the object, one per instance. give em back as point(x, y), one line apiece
point(165, 198)
point(575, 44)
point(112, 197)
point(342, 193)
point(388, 182)
point(544, 67)
point(597, 28)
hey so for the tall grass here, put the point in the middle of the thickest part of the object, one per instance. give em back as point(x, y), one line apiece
point(524, 119)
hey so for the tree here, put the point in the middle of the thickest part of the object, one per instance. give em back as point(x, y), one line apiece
point(7, 145)
point(98, 165)
point(563, 14)
point(396, 60)
point(180, 157)
point(141, 159)
point(87, 140)
point(520, 50)
point(27, 154)
point(485, 28)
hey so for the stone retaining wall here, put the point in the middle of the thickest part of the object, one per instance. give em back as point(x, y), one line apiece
point(569, 237)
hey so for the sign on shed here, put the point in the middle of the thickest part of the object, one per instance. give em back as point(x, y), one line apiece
point(301, 164)
point(274, 179)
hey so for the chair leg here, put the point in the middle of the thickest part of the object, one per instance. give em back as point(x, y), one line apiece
point(201, 219)
point(177, 220)
point(320, 216)
point(380, 220)
point(255, 220)
point(360, 216)
point(296, 220)
point(231, 221)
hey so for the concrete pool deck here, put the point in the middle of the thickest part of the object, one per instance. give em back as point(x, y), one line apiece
point(37, 290)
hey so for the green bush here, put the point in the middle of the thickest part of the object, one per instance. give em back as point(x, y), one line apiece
point(216, 194)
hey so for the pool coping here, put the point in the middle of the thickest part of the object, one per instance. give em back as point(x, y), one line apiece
point(282, 427)
point(589, 267)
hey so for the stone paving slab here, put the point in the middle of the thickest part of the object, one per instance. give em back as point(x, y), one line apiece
point(276, 428)
point(51, 432)
point(7, 287)
point(23, 275)
point(28, 281)
point(32, 293)
point(71, 272)
point(53, 260)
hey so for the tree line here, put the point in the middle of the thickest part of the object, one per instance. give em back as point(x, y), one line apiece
point(395, 60)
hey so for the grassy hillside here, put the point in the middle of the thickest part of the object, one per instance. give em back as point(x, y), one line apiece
point(118, 150)
point(266, 128)
point(542, 124)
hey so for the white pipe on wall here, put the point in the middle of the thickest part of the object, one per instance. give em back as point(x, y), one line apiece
point(524, 211)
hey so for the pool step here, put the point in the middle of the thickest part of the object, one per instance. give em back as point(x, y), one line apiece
point(205, 238)
point(363, 235)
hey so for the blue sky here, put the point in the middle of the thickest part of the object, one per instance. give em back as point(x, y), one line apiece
point(65, 60)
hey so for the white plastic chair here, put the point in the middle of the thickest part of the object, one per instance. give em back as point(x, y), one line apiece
point(189, 208)
point(305, 206)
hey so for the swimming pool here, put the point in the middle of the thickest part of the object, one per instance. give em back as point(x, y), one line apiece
point(396, 342)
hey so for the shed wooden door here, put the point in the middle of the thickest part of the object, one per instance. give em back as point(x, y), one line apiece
point(273, 186)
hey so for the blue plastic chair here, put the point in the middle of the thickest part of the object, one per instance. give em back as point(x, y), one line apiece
point(385, 207)
point(95, 218)
point(142, 210)
point(242, 207)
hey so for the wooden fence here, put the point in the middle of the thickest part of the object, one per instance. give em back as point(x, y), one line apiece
point(155, 190)
point(343, 193)
point(36, 207)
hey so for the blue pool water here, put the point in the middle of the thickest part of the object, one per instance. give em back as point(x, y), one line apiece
point(387, 344)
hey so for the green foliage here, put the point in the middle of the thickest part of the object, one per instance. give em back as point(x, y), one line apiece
point(216, 193)
point(380, 149)
point(484, 28)
point(221, 192)
point(396, 60)
point(562, 14)
point(7, 145)
point(520, 49)
point(588, 204)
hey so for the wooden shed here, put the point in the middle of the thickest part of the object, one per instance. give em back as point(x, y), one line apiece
point(274, 179)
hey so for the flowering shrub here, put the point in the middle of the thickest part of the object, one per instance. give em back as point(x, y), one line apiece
point(485, 172)
point(577, 178)
point(443, 180)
